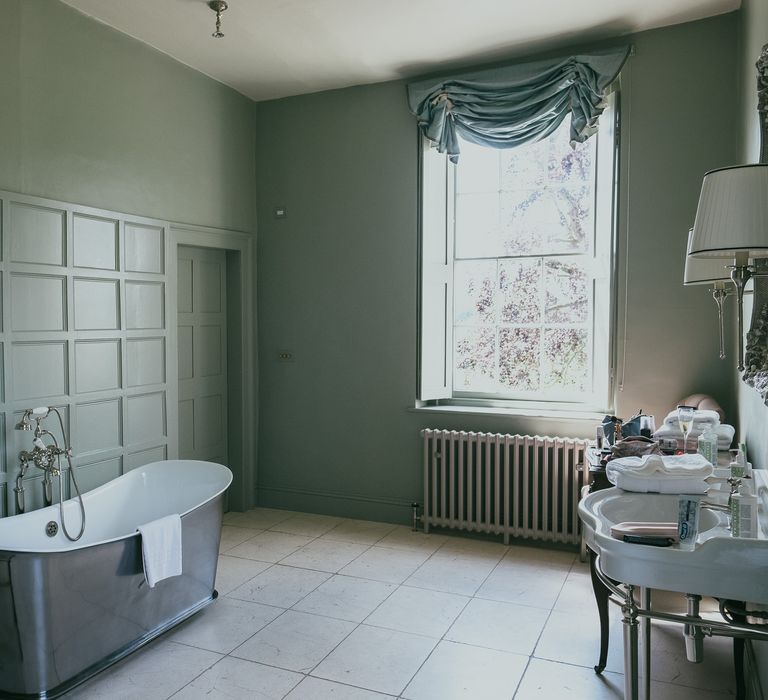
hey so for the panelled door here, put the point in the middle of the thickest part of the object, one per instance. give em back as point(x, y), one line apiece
point(202, 317)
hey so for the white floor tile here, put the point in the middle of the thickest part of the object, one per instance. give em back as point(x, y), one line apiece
point(257, 518)
point(574, 638)
point(269, 546)
point(346, 598)
point(319, 689)
point(547, 680)
point(577, 594)
point(295, 641)
point(232, 572)
point(224, 625)
point(282, 586)
point(463, 672)
point(404, 537)
point(669, 663)
point(385, 564)
point(502, 626)
point(469, 546)
point(236, 679)
point(359, 531)
point(452, 573)
point(524, 582)
point(307, 524)
point(325, 555)
point(145, 674)
point(376, 659)
point(232, 536)
point(415, 610)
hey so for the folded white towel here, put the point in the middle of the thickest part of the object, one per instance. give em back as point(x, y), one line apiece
point(690, 466)
point(664, 484)
point(699, 418)
point(161, 548)
point(724, 432)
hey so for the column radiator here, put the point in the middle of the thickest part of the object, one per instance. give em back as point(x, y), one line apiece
point(513, 485)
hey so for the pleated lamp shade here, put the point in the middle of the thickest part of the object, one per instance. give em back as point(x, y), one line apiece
point(704, 270)
point(732, 216)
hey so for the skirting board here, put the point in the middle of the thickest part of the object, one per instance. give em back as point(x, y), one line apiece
point(343, 505)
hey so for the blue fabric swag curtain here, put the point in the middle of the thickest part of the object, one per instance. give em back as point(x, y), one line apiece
point(509, 106)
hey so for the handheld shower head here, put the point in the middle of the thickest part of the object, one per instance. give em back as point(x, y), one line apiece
point(24, 423)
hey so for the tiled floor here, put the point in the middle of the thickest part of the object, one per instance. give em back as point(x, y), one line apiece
point(314, 607)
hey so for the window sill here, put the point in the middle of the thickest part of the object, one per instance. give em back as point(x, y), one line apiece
point(590, 416)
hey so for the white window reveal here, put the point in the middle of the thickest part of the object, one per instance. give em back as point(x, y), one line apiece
point(517, 271)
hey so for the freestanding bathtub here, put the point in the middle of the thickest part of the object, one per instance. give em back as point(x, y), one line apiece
point(70, 609)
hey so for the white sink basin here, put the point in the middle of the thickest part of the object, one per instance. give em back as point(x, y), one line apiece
point(719, 565)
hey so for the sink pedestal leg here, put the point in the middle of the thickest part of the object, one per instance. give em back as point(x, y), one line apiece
point(629, 611)
point(601, 598)
point(645, 636)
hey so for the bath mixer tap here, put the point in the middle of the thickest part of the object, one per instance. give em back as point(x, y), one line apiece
point(47, 458)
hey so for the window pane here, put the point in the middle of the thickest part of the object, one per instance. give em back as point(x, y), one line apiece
point(474, 300)
point(519, 358)
point(475, 359)
point(545, 221)
point(519, 282)
point(477, 225)
point(565, 359)
point(567, 292)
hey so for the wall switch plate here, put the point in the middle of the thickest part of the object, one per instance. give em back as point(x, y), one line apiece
point(285, 356)
point(280, 212)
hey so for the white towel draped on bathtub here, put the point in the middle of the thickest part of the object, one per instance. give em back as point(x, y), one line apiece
point(161, 548)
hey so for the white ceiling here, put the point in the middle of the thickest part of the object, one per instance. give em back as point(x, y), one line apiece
point(275, 48)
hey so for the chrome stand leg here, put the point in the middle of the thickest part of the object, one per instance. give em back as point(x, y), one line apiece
point(645, 637)
point(630, 626)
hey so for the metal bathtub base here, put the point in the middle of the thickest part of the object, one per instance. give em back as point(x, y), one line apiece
point(110, 660)
point(68, 615)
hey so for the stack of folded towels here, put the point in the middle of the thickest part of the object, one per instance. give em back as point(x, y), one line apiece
point(660, 474)
point(701, 421)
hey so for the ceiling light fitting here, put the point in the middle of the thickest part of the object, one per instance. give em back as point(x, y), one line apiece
point(218, 6)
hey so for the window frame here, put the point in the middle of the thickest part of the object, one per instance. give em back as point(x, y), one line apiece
point(435, 297)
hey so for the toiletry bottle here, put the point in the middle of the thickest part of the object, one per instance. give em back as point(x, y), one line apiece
point(737, 464)
point(600, 437)
point(743, 513)
point(707, 445)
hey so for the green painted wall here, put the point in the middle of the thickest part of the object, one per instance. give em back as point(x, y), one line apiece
point(337, 282)
point(91, 116)
point(753, 415)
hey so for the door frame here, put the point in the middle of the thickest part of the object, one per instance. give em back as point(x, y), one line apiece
point(240, 248)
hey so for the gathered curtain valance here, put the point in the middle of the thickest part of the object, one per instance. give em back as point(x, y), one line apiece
point(512, 105)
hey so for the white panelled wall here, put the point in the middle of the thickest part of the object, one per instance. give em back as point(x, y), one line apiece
point(85, 328)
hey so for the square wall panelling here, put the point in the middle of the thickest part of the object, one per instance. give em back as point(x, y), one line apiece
point(186, 352)
point(208, 425)
point(89, 476)
point(146, 361)
point(184, 286)
point(144, 305)
point(186, 429)
point(99, 426)
point(94, 242)
point(83, 292)
point(144, 248)
point(38, 234)
point(97, 365)
point(40, 370)
point(208, 288)
point(38, 303)
point(142, 457)
point(146, 420)
point(97, 304)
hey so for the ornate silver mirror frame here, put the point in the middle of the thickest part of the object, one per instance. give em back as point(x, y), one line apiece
point(756, 355)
